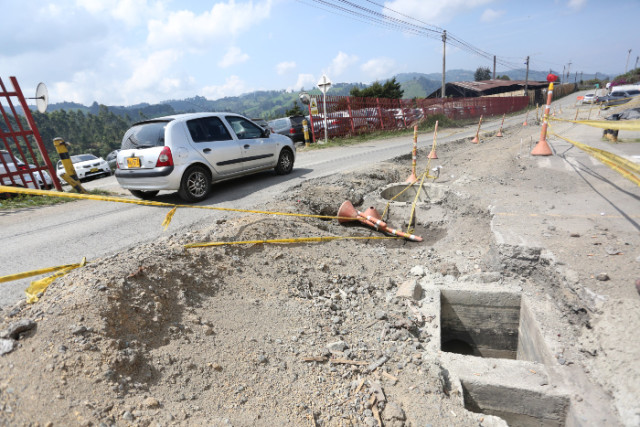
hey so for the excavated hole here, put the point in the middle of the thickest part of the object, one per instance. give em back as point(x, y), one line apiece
point(518, 407)
point(488, 324)
point(428, 193)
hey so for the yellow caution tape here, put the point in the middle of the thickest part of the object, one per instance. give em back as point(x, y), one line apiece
point(605, 124)
point(167, 220)
point(617, 163)
point(38, 286)
point(168, 217)
point(31, 273)
point(296, 240)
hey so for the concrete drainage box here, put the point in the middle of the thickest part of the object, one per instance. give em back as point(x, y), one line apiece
point(483, 324)
point(496, 354)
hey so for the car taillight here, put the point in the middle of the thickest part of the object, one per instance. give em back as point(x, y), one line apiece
point(292, 131)
point(22, 167)
point(165, 158)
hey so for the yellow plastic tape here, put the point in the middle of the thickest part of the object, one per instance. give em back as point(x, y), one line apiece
point(31, 273)
point(297, 240)
point(605, 124)
point(614, 162)
point(47, 193)
point(41, 285)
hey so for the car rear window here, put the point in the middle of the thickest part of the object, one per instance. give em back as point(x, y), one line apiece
point(634, 92)
point(145, 135)
point(297, 120)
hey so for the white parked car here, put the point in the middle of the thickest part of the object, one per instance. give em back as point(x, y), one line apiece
point(42, 178)
point(188, 152)
point(86, 166)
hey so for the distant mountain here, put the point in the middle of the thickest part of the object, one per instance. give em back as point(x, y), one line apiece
point(273, 103)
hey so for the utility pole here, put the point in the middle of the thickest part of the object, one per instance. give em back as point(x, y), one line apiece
point(494, 67)
point(568, 72)
point(626, 67)
point(526, 79)
point(564, 67)
point(444, 55)
point(637, 57)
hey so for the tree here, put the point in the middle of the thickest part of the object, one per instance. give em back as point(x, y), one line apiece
point(505, 77)
point(295, 111)
point(390, 89)
point(482, 73)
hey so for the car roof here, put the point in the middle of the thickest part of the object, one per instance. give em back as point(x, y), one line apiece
point(187, 116)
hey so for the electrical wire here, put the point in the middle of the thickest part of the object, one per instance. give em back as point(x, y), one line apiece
point(408, 25)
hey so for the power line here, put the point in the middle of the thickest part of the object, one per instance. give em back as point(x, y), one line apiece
point(423, 29)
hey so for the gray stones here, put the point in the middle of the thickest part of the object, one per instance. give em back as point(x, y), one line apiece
point(393, 412)
point(16, 328)
point(410, 289)
point(603, 277)
point(337, 346)
point(418, 271)
point(7, 346)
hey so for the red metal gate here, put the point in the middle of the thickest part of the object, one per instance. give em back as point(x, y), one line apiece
point(20, 165)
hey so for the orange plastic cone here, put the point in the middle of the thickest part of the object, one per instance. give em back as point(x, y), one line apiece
point(432, 154)
point(542, 147)
point(476, 139)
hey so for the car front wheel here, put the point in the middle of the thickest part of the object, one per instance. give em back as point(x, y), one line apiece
point(144, 195)
point(195, 184)
point(285, 162)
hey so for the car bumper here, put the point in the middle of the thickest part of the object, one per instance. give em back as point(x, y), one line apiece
point(166, 178)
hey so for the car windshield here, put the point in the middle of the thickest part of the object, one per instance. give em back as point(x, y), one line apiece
point(82, 158)
point(147, 134)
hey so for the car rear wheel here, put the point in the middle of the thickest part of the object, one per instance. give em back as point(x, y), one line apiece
point(144, 195)
point(285, 162)
point(195, 184)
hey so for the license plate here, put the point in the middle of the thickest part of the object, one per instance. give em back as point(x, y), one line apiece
point(133, 162)
point(93, 170)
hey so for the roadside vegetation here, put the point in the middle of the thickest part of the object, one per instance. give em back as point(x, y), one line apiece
point(10, 202)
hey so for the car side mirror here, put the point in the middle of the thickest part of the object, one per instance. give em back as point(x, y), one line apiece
point(266, 133)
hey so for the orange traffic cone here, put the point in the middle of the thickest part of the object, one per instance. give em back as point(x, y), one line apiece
point(476, 139)
point(525, 119)
point(348, 212)
point(432, 154)
point(500, 130)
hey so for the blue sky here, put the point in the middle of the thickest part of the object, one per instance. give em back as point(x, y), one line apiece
point(122, 52)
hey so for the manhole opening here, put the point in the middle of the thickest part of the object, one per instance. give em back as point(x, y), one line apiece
point(487, 324)
point(428, 193)
point(518, 407)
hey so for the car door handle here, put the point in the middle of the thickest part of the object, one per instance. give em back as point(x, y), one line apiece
point(206, 150)
point(247, 146)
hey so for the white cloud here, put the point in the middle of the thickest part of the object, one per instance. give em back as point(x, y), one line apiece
point(577, 4)
point(491, 15)
point(283, 67)
point(340, 63)
point(127, 11)
point(233, 86)
point(434, 12)
point(233, 56)
point(379, 68)
point(306, 81)
point(189, 30)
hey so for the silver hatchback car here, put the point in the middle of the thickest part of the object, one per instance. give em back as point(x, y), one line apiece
point(188, 152)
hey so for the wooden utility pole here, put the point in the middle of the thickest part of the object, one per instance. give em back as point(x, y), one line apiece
point(526, 79)
point(494, 67)
point(444, 55)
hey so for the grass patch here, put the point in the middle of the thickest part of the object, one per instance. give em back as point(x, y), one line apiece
point(21, 201)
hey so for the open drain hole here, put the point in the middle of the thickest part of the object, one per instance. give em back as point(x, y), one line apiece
point(488, 324)
point(518, 407)
point(429, 193)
